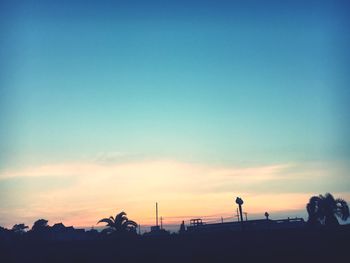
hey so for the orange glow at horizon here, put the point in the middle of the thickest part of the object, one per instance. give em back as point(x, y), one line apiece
point(183, 190)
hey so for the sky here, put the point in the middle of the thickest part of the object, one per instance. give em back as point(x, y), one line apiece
point(109, 106)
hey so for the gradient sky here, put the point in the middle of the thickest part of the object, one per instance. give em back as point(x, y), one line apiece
point(112, 105)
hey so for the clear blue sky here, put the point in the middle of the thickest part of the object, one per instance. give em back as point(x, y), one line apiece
point(214, 82)
point(212, 79)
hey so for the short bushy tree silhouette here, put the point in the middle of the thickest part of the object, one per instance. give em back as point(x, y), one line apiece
point(19, 228)
point(40, 225)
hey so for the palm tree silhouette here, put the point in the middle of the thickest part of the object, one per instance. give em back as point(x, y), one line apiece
point(324, 209)
point(119, 223)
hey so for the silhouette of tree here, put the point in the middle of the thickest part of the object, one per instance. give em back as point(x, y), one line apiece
point(19, 228)
point(40, 225)
point(324, 209)
point(119, 223)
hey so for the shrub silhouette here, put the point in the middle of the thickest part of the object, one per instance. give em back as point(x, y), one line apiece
point(40, 225)
point(19, 228)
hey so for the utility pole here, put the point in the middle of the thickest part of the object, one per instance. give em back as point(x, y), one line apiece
point(139, 229)
point(246, 217)
point(222, 220)
point(156, 214)
point(161, 222)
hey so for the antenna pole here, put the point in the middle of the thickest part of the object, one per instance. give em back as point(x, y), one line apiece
point(156, 214)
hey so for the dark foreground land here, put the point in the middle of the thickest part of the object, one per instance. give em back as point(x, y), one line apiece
point(297, 245)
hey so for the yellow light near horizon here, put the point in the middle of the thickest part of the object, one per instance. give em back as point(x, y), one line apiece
point(183, 190)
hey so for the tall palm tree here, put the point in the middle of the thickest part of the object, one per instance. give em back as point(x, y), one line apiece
point(119, 223)
point(324, 209)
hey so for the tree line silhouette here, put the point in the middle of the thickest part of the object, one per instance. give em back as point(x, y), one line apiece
point(320, 239)
point(323, 210)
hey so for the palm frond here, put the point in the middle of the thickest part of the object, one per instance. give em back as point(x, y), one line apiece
point(120, 218)
point(342, 209)
point(313, 206)
point(329, 200)
point(130, 223)
point(315, 200)
point(108, 221)
point(120, 215)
